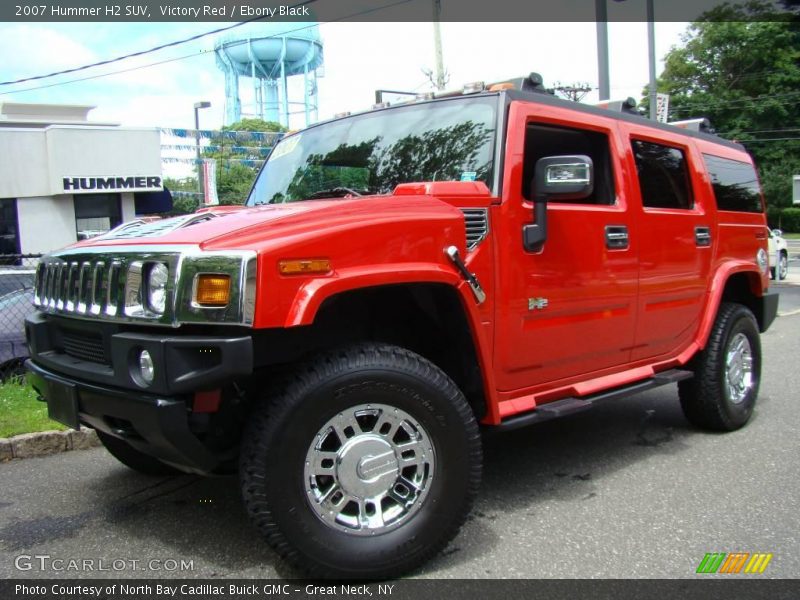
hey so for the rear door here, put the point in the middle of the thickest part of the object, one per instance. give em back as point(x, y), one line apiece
point(678, 234)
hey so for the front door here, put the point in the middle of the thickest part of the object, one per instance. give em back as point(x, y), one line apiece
point(569, 309)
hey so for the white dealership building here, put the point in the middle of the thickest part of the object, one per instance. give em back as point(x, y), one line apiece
point(63, 177)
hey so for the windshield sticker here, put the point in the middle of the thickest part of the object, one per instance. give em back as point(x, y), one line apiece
point(469, 175)
point(285, 147)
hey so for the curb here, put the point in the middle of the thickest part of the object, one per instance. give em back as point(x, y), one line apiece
point(44, 443)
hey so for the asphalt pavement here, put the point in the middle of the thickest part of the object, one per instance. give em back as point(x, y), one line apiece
point(626, 490)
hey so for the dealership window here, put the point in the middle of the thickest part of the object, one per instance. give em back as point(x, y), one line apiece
point(96, 214)
point(9, 228)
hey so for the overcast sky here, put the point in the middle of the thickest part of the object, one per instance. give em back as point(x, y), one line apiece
point(359, 58)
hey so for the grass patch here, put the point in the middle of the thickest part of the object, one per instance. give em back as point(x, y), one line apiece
point(21, 412)
point(792, 236)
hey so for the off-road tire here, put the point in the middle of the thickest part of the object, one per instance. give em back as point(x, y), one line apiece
point(285, 423)
point(133, 459)
point(703, 398)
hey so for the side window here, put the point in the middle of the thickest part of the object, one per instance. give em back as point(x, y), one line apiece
point(550, 140)
point(735, 184)
point(663, 177)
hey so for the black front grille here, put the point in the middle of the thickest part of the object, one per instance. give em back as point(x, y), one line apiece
point(85, 346)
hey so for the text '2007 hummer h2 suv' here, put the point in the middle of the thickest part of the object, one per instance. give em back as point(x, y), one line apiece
point(395, 279)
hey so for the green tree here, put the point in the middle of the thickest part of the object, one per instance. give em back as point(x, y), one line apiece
point(235, 178)
point(740, 67)
point(182, 204)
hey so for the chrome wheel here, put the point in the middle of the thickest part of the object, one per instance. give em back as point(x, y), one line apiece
point(369, 469)
point(738, 368)
point(783, 267)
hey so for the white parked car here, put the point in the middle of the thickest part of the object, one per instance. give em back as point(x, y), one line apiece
point(778, 255)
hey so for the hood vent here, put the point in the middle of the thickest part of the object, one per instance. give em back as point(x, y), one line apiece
point(477, 222)
point(140, 229)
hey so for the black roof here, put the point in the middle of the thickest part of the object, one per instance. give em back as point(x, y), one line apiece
point(548, 99)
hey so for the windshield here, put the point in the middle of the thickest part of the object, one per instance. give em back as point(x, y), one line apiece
point(451, 140)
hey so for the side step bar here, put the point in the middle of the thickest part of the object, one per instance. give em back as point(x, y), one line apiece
point(569, 406)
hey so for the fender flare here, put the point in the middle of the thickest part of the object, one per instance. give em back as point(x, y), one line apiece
point(721, 278)
point(311, 295)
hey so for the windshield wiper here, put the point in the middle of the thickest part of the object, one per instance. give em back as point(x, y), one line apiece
point(337, 192)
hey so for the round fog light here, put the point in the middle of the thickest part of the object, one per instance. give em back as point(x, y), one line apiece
point(147, 370)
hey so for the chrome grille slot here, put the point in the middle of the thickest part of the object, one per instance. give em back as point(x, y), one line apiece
point(99, 285)
point(61, 285)
point(476, 221)
point(112, 288)
point(71, 292)
point(83, 287)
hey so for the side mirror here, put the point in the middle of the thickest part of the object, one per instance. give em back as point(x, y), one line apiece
point(569, 177)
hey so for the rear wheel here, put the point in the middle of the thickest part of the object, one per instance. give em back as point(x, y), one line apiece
point(364, 465)
point(723, 391)
point(132, 458)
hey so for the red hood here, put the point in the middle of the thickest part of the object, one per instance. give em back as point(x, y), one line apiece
point(257, 226)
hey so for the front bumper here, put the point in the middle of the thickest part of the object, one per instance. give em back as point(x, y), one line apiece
point(158, 420)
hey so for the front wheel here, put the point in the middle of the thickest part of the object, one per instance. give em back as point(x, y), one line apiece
point(723, 391)
point(364, 465)
point(783, 266)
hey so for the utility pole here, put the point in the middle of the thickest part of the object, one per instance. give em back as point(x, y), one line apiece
point(601, 22)
point(651, 55)
point(437, 43)
point(198, 162)
point(575, 92)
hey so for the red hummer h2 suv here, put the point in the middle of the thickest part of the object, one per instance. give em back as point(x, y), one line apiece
point(398, 280)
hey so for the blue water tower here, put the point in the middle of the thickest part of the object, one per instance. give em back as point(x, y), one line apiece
point(270, 53)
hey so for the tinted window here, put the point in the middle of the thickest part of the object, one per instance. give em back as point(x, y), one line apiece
point(735, 184)
point(451, 140)
point(548, 140)
point(663, 178)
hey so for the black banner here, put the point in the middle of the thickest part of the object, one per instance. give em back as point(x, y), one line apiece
point(484, 589)
point(379, 10)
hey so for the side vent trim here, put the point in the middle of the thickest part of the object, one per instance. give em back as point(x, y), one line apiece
point(477, 224)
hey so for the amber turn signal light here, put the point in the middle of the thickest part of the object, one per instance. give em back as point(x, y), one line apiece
point(212, 289)
point(305, 265)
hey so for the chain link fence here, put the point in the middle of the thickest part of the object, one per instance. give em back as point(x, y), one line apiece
point(17, 272)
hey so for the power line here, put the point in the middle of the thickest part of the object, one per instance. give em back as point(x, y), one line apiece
point(758, 131)
point(764, 140)
point(192, 55)
point(154, 64)
point(148, 51)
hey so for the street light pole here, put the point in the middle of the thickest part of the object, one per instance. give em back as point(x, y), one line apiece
point(198, 164)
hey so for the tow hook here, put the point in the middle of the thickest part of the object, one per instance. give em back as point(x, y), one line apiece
point(474, 284)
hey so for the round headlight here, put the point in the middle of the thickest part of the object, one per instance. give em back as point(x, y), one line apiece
point(157, 288)
point(147, 370)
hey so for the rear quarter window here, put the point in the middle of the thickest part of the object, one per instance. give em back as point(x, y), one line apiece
point(735, 184)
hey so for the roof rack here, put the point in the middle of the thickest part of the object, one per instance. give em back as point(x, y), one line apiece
point(628, 105)
point(702, 124)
